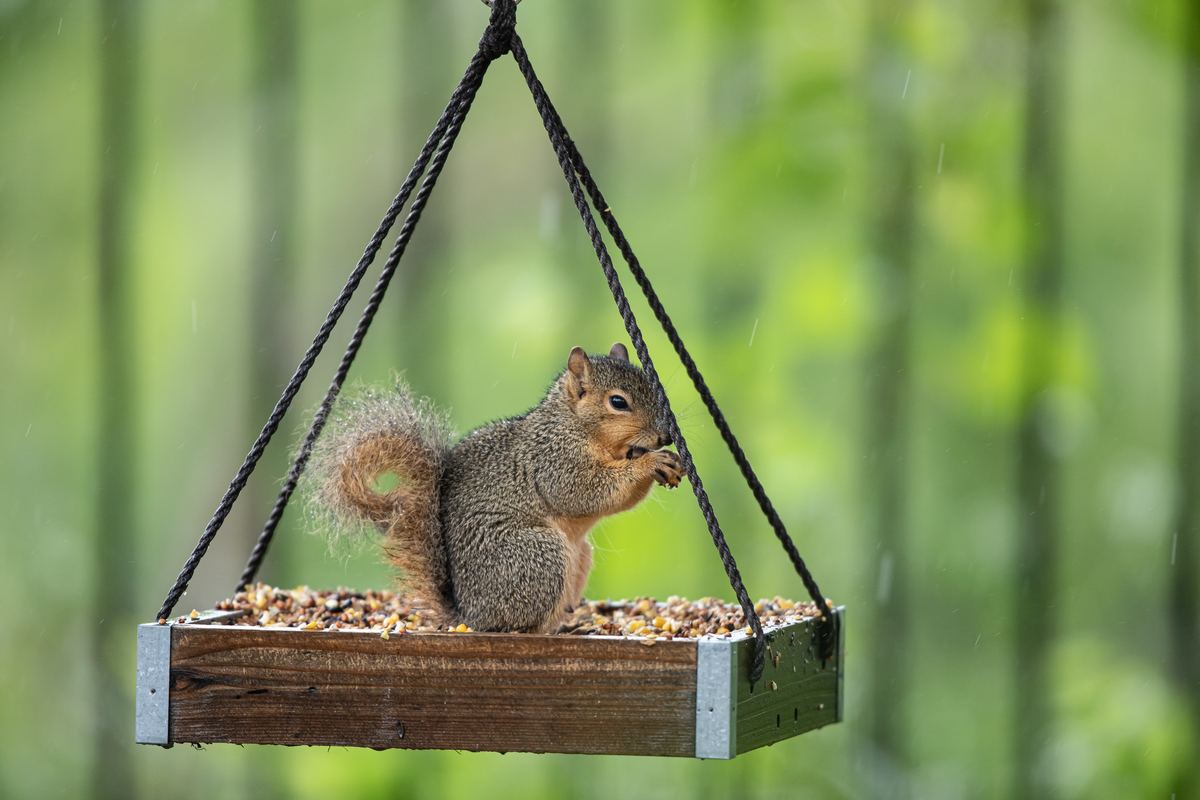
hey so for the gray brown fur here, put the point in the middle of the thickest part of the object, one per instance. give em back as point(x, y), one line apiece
point(492, 531)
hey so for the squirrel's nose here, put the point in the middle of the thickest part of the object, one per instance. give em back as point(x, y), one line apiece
point(665, 440)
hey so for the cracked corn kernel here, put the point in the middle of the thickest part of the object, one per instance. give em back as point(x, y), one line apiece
point(462, 628)
point(659, 622)
point(194, 615)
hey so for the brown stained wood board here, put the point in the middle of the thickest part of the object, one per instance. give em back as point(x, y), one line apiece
point(446, 691)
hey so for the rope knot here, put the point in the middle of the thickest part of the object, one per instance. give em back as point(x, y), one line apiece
point(497, 37)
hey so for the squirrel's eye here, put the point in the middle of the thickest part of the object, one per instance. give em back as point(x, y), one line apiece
point(618, 403)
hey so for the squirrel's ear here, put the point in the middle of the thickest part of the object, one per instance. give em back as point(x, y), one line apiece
point(579, 373)
point(619, 352)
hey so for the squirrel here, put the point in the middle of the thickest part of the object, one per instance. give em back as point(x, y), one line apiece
point(491, 531)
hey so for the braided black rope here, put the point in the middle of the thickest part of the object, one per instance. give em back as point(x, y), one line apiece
point(710, 402)
point(559, 139)
point(493, 45)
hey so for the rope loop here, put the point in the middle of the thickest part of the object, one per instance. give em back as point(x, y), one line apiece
point(497, 37)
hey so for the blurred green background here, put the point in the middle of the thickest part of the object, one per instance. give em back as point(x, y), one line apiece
point(939, 261)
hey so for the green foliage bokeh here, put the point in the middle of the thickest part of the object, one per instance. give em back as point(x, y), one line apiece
point(735, 143)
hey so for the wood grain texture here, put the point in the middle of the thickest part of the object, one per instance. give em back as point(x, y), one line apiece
point(797, 693)
point(499, 692)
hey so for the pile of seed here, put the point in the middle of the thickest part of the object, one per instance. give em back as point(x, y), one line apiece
point(679, 617)
point(391, 614)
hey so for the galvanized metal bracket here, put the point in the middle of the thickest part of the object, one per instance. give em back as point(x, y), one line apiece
point(724, 694)
point(716, 698)
point(152, 714)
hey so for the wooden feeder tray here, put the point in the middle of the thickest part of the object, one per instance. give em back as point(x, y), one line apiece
point(211, 677)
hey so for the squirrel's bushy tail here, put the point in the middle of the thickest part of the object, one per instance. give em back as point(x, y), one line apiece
point(379, 462)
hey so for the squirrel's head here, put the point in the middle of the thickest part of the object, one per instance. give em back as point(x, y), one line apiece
point(614, 403)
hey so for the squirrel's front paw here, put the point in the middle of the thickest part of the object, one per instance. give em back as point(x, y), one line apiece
point(667, 468)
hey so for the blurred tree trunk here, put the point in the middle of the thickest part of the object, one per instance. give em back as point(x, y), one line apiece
point(274, 187)
point(424, 83)
point(114, 541)
point(891, 212)
point(1037, 478)
point(584, 74)
point(1183, 612)
point(737, 81)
